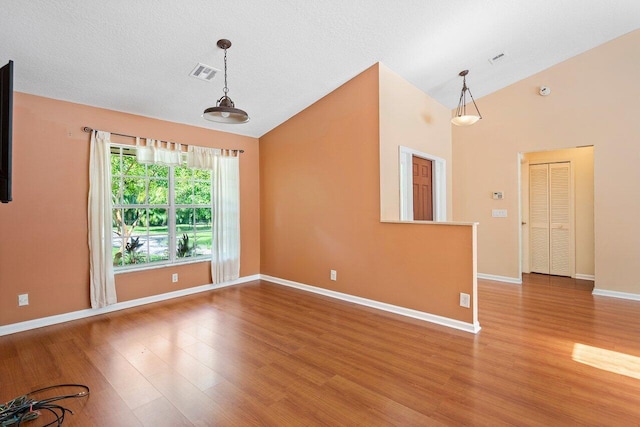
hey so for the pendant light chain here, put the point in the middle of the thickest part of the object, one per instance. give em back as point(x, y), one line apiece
point(226, 88)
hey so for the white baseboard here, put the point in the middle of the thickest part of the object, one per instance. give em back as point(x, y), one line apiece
point(516, 281)
point(81, 314)
point(427, 317)
point(505, 279)
point(616, 294)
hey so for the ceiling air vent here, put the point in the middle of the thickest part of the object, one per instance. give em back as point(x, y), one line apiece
point(497, 58)
point(204, 72)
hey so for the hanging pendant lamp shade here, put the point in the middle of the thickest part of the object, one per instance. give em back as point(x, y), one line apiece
point(462, 118)
point(225, 110)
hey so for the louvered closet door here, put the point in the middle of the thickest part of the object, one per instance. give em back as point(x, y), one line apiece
point(560, 219)
point(550, 218)
point(539, 218)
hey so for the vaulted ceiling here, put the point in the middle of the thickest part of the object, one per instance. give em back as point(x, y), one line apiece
point(136, 56)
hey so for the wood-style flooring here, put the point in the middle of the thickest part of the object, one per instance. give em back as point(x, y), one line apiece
point(549, 354)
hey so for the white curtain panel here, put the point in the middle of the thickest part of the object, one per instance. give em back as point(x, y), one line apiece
point(225, 245)
point(225, 252)
point(168, 154)
point(202, 157)
point(102, 282)
point(145, 154)
point(158, 153)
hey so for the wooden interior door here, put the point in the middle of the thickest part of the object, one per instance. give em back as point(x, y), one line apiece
point(422, 189)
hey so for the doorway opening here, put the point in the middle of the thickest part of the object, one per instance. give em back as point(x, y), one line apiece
point(556, 212)
point(437, 198)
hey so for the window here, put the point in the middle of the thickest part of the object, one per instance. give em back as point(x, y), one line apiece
point(161, 214)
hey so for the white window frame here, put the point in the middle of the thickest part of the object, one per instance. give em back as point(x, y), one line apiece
point(171, 207)
point(439, 174)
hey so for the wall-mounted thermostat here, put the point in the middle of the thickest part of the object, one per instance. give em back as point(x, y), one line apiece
point(544, 90)
point(497, 195)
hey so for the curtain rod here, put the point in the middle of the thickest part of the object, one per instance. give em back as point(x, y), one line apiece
point(89, 130)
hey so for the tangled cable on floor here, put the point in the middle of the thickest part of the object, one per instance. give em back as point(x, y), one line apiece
point(27, 407)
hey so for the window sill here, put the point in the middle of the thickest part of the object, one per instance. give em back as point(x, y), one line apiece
point(145, 267)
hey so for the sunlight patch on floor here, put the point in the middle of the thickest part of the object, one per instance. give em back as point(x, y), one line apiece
point(608, 360)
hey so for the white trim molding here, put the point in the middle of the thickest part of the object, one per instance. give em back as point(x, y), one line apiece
point(420, 315)
point(81, 314)
point(586, 277)
point(616, 294)
point(505, 279)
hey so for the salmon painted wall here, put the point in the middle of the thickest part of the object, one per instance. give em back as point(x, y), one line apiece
point(594, 101)
point(43, 232)
point(320, 210)
point(408, 118)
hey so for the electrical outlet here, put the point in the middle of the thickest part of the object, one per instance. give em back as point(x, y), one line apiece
point(23, 299)
point(465, 300)
point(174, 277)
point(334, 275)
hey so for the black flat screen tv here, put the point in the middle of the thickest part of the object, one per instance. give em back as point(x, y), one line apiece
point(6, 131)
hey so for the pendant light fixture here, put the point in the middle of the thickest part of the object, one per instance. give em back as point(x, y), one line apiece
point(225, 110)
point(462, 118)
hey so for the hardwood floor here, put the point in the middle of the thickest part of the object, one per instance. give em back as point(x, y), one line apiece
point(548, 354)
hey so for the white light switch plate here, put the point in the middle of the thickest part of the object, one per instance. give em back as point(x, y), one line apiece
point(499, 213)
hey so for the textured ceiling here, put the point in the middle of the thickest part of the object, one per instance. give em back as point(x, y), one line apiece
point(136, 56)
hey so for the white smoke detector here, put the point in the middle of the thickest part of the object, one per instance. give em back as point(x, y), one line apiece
point(544, 91)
